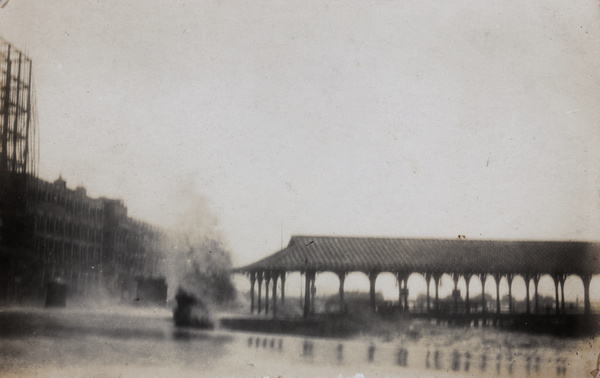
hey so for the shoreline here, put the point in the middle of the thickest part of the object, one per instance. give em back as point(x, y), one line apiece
point(129, 339)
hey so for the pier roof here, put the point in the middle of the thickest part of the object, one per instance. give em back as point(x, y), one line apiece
point(347, 254)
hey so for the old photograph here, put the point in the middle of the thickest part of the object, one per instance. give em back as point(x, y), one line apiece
point(327, 188)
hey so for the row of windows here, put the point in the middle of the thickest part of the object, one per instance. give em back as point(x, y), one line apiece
point(72, 229)
point(69, 229)
point(73, 256)
point(48, 246)
point(81, 206)
point(49, 240)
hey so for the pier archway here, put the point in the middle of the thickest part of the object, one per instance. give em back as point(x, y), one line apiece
point(546, 286)
point(519, 292)
point(387, 285)
point(326, 283)
point(357, 282)
point(327, 288)
point(574, 294)
point(595, 290)
point(416, 285)
point(475, 289)
point(546, 294)
point(446, 286)
point(356, 290)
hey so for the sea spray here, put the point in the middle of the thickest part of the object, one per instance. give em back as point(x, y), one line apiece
point(199, 266)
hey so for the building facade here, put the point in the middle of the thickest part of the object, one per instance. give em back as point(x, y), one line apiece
point(89, 244)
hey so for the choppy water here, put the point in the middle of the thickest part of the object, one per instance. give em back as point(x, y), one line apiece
point(143, 342)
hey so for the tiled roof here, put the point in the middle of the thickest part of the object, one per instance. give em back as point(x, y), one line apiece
point(333, 253)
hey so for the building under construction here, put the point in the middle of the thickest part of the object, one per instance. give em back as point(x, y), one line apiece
point(18, 151)
point(51, 234)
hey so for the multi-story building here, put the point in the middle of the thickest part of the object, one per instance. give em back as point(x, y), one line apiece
point(131, 249)
point(89, 244)
point(67, 234)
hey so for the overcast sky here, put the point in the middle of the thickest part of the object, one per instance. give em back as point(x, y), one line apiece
point(379, 118)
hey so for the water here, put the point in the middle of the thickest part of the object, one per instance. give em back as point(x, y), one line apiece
point(143, 342)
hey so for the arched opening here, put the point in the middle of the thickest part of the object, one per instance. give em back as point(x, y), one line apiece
point(356, 291)
point(493, 304)
point(486, 298)
point(506, 294)
point(293, 287)
point(387, 292)
point(519, 292)
point(595, 294)
point(387, 285)
point(327, 293)
point(474, 294)
point(574, 295)
point(357, 282)
point(546, 295)
point(445, 289)
point(446, 286)
point(417, 292)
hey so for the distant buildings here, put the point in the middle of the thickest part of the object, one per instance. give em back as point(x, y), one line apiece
point(89, 244)
point(52, 234)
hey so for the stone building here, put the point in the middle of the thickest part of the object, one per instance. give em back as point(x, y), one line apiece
point(90, 244)
point(67, 234)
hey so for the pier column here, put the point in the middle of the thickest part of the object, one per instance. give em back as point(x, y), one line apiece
point(428, 281)
point(259, 277)
point(586, 278)
point(372, 279)
point(483, 277)
point(509, 279)
point(497, 278)
point(402, 291)
point(267, 281)
point(306, 295)
point(467, 300)
point(405, 293)
point(275, 295)
point(313, 291)
point(455, 292)
point(400, 296)
point(342, 277)
point(561, 279)
point(252, 282)
point(282, 287)
point(436, 280)
point(307, 279)
point(527, 281)
point(556, 302)
point(536, 280)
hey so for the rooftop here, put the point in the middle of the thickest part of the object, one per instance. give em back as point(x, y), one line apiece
point(337, 253)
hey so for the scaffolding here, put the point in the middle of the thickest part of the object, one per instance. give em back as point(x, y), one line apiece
point(18, 145)
point(18, 118)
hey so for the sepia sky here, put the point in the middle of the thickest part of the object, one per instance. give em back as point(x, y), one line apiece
point(377, 118)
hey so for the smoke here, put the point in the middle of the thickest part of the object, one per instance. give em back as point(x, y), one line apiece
point(200, 261)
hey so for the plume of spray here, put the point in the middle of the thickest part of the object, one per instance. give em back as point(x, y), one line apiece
point(200, 263)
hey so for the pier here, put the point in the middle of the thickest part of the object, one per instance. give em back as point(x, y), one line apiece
point(498, 260)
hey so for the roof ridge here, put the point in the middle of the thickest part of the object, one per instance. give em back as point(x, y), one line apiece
point(441, 239)
point(342, 253)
